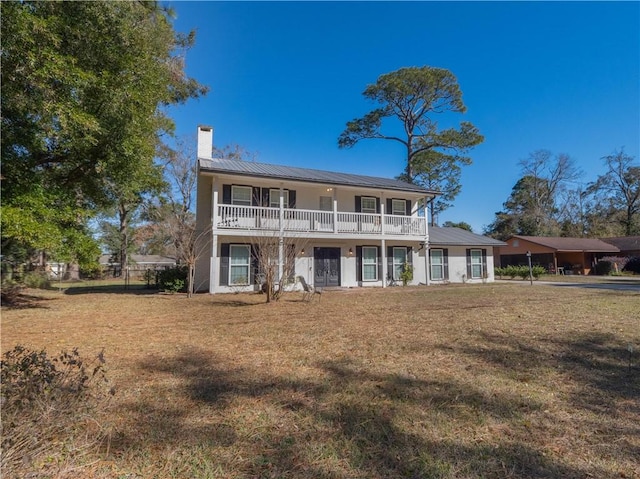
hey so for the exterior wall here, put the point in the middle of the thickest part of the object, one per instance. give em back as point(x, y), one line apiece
point(457, 261)
point(305, 264)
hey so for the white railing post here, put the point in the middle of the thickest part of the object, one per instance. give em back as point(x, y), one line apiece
point(335, 210)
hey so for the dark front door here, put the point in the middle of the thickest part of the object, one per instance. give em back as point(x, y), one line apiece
point(326, 267)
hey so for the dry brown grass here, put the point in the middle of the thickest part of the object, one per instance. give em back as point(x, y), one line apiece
point(500, 380)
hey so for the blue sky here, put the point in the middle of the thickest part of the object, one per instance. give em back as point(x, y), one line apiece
point(285, 77)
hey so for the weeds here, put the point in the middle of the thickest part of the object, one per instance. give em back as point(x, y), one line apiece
point(49, 410)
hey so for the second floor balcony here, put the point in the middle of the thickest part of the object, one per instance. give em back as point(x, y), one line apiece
point(234, 218)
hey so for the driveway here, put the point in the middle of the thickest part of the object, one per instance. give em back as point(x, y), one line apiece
point(613, 283)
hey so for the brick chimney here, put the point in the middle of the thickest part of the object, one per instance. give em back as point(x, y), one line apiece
point(205, 142)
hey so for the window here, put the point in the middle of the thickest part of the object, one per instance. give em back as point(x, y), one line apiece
point(368, 205)
point(476, 263)
point(240, 260)
point(369, 263)
point(399, 259)
point(398, 207)
point(274, 198)
point(326, 203)
point(437, 264)
point(241, 195)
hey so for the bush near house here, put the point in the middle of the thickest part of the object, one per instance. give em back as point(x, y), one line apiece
point(513, 272)
point(610, 265)
point(172, 280)
point(633, 265)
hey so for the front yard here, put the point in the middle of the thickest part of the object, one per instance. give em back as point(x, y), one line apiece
point(477, 381)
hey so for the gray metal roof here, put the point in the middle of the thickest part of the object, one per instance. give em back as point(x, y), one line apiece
point(443, 236)
point(308, 175)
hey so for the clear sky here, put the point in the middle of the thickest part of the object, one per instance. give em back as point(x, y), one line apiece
point(285, 77)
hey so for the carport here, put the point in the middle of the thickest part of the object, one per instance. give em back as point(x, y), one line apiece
point(556, 254)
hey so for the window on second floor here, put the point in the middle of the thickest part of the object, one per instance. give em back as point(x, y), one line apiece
point(274, 198)
point(326, 203)
point(368, 204)
point(241, 195)
point(398, 207)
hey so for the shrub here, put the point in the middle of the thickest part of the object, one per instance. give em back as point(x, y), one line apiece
point(172, 280)
point(49, 408)
point(10, 291)
point(603, 267)
point(92, 271)
point(37, 280)
point(538, 271)
point(407, 274)
point(617, 264)
point(512, 271)
point(633, 265)
point(499, 272)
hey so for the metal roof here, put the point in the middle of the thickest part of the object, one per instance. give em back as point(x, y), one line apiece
point(571, 244)
point(307, 175)
point(624, 243)
point(442, 236)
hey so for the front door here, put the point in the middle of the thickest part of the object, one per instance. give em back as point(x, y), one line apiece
point(326, 265)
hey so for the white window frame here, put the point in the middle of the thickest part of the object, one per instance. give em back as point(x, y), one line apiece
point(398, 210)
point(274, 198)
point(476, 261)
point(370, 208)
point(435, 266)
point(326, 203)
point(240, 201)
point(245, 265)
point(399, 266)
point(366, 262)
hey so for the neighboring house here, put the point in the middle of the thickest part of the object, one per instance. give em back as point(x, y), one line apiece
point(334, 229)
point(557, 255)
point(459, 256)
point(138, 264)
point(629, 246)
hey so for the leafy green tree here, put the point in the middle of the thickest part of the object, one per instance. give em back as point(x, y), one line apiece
point(415, 96)
point(84, 87)
point(462, 225)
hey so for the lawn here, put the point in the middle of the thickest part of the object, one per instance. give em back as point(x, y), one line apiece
point(458, 381)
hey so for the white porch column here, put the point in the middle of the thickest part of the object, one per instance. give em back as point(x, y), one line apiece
point(281, 239)
point(214, 274)
point(427, 262)
point(335, 210)
point(383, 257)
point(382, 205)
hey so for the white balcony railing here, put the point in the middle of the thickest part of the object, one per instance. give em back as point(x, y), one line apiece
point(297, 220)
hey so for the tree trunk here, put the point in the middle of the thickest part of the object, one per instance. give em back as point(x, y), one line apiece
point(73, 272)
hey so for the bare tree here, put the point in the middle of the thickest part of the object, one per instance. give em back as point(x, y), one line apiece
point(275, 259)
point(549, 176)
point(618, 191)
point(175, 213)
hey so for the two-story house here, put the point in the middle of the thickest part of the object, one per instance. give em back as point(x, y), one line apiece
point(333, 229)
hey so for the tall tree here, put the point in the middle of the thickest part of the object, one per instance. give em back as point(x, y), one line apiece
point(415, 96)
point(536, 203)
point(617, 192)
point(84, 86)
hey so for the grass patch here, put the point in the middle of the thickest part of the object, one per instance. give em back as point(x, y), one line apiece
point(457, 381)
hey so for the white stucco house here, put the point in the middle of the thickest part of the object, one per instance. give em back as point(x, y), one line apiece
point(333, 229)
